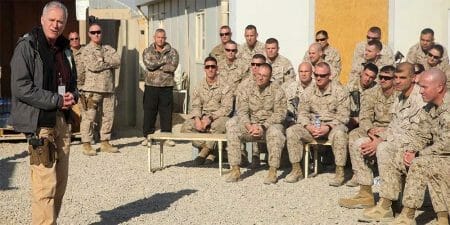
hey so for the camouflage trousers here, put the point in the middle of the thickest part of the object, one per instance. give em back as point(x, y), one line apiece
point(256, 146)
point(431, 170)
point(217, 127)
point(274, 137)
point(298, 136)
point(97, 103)
point(391, 168)
point(363, 173)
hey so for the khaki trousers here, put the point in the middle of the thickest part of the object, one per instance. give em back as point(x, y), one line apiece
point(48, 185)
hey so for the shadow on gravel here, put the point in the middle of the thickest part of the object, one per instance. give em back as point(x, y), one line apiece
point(156, 203)
point(7, 169)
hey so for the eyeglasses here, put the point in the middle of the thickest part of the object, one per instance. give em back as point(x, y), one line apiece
point(73, 39)
point(210, 67)
point(372, 38)
point(224, 34)
point(321, 75)
point(385, 77)
point(320, 39)
point(256, 64)
point(434, 56)
point(231, 50)
point(93, 32)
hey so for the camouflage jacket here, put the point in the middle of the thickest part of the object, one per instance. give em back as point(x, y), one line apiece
point(293, 90)
point(160, 65)
point(99, 63)
point(416, 55)
point(386, 54)
point(80, 66)
point(232, 73)
point(246, 54)
point(332, 57)
point(265, 106)
point(215, 100)
point(356, 93)
point(332, 105)
point(282, 70)
point(406, 116)
point(358, 66)
point(440, 129)
point(375, 108)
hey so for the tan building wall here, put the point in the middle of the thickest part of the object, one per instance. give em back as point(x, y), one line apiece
point(347, 22)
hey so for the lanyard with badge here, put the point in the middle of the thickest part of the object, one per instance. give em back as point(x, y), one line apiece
point(61, 86)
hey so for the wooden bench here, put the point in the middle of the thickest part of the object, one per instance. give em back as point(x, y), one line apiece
point(162, 137)
point(315, 157)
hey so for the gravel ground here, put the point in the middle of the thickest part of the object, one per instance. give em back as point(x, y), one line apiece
point(117, 189)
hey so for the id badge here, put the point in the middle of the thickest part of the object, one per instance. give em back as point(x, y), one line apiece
point(61, 90)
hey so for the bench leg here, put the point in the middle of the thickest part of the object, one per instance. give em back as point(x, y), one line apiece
point(161, 154)
point(194, 152)
point(306, 160)
point(149, 155)
point(316, 161)
point(249, 149)
point(220, 157)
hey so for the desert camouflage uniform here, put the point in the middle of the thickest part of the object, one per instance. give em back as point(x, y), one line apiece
point(386, 54)
point(266, 107)
point(416, 55)
point(293, 90)
point(375, 112)
point(332, 106)
point(358, 66)
point(98, 90)
point(356, 93)
point(408, 130)
point(282, 70)
point(218, 52)
point(432, 166)
point(232, 73)
point(332, 57)
point(246, 54)
point(213, 100)
point(77, 56)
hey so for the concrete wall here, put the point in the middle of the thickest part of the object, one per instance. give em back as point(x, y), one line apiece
point(408, 18)
point(292, 23)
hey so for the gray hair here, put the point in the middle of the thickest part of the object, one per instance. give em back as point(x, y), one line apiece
point(55, 4)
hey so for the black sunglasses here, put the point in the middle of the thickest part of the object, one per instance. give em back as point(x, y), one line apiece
point(95, 32)
point(224, 34)
point(434, 56)
point(231, 50)
point(385, 77)
point(321, 75)
point(256, 64)
point(210, 66)
point(372, 38)
point(320, 39)
point(73, 39)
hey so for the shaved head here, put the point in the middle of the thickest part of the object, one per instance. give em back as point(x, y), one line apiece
point(433, 86)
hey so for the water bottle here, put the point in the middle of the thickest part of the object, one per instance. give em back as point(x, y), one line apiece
point(376, 181)
point(317, 120)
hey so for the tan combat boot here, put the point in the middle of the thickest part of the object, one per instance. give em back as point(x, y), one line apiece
point(235, 174)
point(339, 177)
point(381, 212)
point(107, 147)
point(88, 150)
point(406, 217)
point(295, 175)
point(272, 176)
point(352, 182)
point(364, 199)
point(442, 218)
